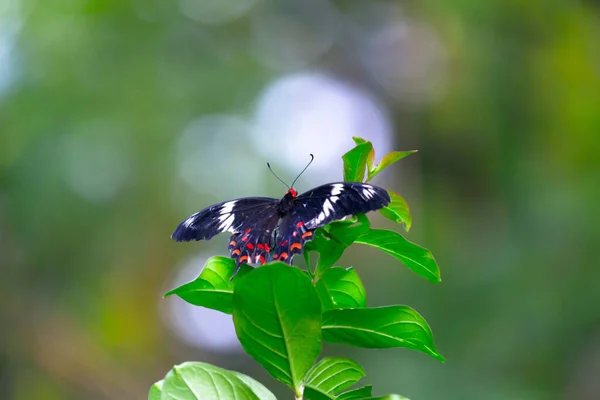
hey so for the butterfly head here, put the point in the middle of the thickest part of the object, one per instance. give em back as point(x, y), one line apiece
point(291, 192)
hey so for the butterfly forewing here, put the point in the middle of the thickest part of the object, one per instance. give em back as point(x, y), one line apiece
point(234, 216)
point(337, 200)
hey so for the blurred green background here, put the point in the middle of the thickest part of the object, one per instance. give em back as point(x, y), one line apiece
point(119, 118)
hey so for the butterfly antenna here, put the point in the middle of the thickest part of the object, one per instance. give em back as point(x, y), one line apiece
point(310, 162)
point(280, 180)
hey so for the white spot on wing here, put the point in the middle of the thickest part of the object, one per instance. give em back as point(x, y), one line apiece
point(321, 217)
point(337, 189)
point(226, 225)
point(333, 199)
point(327, 207)
point(367, 193)
point(226, 208)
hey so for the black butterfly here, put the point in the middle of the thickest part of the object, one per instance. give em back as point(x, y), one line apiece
point(262, 224)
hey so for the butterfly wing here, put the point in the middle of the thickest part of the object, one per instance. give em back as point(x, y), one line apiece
point(230, 216)
point(337, 200)
point(253, 244)
point(252, 221)
point(320, 206)
point(291, 235)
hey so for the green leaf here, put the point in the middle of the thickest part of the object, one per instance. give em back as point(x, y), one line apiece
point(330, 250)
point(331, 241)
point(355, 162)
point(347, 231)
point(277, 317)
point(258, 388)
point(389, 397)
point(388, 160)
point(195, 380)
point(371, 155)
point(332, 375)
point(311, 394)
point(415, 257)
point(361, 393)
point(341, 288)
point(212, 288)
point(156, 391)
point(381, 327)
point(356, 394)
point(397, 210)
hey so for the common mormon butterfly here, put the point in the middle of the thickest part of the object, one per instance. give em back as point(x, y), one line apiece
point(266, 229)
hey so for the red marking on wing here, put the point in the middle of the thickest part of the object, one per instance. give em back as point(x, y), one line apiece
point(283, 243)
point(299, 224)
point(248, 230)
point(283, 256)
point(260, 246)
point(260, 258)
point(243, 258)
point(274, 256)
point(250, 246)
point(267, 248)
point(244, 238)
point(232, 243)
point(295, 246)
point(307, 234)
point(236, 252)
point(295, 233)
point(293, 192)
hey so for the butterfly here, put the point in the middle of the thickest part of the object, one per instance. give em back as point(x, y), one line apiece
point(265, 229)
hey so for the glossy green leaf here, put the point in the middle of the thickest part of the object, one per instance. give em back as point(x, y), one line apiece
point(381, 327)
point(341, 288)
point(332, 375)
point(370, 156)
point(355, 162)
point(359, 140)
point(389, 397)
point(397, 210)
point(356, 394)
point(388, 160)
point(347, 231)
point(331, 241)
point(361, 393)
point(195, 380)
point(311, 394)
point(415, 257)
point(257, 388)
point(156, 391)
point(329, 249)
point(212, 288)
point(277, 317)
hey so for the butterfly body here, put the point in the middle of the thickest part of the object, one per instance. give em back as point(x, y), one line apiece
point(265, 229)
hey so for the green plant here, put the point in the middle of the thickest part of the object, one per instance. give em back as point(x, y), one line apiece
point(282, 314)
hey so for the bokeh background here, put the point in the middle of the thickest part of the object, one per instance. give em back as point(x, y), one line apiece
point(119, 118)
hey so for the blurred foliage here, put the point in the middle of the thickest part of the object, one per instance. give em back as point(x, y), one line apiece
point(503, 189)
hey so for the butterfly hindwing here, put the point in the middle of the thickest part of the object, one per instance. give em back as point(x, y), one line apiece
point(291, 236)
point(337, 200)
point(252, 246)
